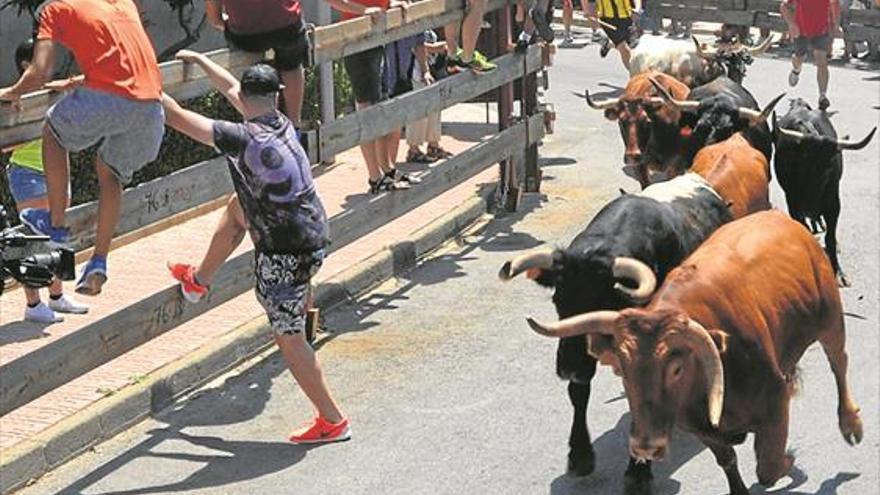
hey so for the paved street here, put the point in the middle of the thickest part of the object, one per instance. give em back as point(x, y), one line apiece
point(450, 393)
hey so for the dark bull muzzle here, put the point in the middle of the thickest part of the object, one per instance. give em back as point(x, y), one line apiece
point(648, 449)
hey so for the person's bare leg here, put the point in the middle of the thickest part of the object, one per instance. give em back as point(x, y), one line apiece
point(306, 369)
point(797, 63)
point(820, 58)
point(32, 296)
point(227, 236)
point(57, 171)
point(567, 14)
point(624, 50)
point(392, 142)
point(294, 84)
point(470, 28)
point(369, 151)
point(380, 147)
point(450, 32)
point(55, 288)
point(109, 202)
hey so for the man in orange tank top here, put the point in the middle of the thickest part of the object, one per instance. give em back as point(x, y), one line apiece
point(117, 106)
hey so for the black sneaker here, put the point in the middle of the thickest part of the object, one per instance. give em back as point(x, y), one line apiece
point(824, 103)
point(540, 19)
point(523, 42)
point(606, 47)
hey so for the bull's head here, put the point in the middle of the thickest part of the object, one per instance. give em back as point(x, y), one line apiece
point(649, 128)
point(813, 143)
point(668, 362)
point(729, 59)
point(718, 117)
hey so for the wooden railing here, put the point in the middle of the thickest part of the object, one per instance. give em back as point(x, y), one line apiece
point(515, 146)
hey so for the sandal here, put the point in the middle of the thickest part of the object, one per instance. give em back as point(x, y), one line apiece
point(438, 153)
point(397, 176)
point(419, 157)
point(382, 184)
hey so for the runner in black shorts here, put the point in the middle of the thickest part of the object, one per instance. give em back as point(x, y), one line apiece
point(616, 18)
point(260, 25)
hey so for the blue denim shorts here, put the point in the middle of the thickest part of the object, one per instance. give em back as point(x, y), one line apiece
point(130, 131)
point(25, 183)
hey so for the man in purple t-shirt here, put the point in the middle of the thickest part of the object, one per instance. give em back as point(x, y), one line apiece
point(283, 215)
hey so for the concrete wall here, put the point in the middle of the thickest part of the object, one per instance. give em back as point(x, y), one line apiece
point(162, 23)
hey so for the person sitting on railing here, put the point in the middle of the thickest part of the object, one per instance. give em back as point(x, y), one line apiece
point(367, 74)
point(117, 108)
point(259, 25)
point(27, 183)
point(285, 219)
point(425, 70)
point(812, 24)
point(466, 55)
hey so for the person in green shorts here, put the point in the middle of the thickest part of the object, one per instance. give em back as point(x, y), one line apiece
point(27, 183)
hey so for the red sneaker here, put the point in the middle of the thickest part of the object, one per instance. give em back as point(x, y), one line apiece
point(186, 274)
point(322, 431)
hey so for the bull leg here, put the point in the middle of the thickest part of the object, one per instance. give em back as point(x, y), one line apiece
point(833, 343)
point(725, 456)
point(831, 212)
point(581, 457)
point(637, 479)
point(770, 439)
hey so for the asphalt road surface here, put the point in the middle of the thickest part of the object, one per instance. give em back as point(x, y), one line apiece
point(450, 393)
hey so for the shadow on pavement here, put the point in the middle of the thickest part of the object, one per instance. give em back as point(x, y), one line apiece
point(612, 449)
point(22, 331)
point(798, 477)
point(240, 398)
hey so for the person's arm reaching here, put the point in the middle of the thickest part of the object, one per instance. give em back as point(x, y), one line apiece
point(192, 124)
point(36, 74)
point(222, 80)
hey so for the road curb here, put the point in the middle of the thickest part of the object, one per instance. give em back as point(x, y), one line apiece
point(26, 461)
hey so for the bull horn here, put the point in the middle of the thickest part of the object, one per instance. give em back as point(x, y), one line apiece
point(539, 259)
point(685, 105)
point(794, 135)
point(602, 105)
point(760, 117)
point(703, 347)
point(593, 322)
point(845, 144)
point(762, 46)
point(706, 54)
point(633, 269)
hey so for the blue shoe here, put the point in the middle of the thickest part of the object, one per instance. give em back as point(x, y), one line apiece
point(93, 276)
point(39, 221)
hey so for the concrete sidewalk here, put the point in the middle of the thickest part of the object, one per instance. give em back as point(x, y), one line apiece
point(138, 270)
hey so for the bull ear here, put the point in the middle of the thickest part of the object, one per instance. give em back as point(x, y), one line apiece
point(612, 114)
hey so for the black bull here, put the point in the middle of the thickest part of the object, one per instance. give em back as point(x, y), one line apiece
point(658, 227)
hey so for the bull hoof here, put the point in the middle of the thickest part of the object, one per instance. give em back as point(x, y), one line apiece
point(851, 427)
point(582, 465)
point(842, 280)
point(633, 485)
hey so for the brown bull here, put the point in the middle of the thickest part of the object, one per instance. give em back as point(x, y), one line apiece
point(738, 172)
point(715, 351)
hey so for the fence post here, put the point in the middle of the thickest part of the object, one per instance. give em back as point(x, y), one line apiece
point(509, 190)
point(529, 108)
point(325, 81)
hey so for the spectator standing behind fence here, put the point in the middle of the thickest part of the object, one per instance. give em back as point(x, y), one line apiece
point(285, 219)
point(117, 108)
point(464, 55)
point(366, 72)
point(260, 25)
point(539, 12)
point(27, 184)
point(427, 68)
point(812, 24)
point(616, 17)
point(396, 81)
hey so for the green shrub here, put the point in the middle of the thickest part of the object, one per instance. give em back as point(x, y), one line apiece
point(178, 151)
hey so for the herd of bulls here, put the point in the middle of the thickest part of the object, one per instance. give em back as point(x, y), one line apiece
point(694, 291)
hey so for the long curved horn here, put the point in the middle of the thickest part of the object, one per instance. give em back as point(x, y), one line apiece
point(685, 105)
point(592, 322)
point(700, 342)
point(602, 105)
point(845, 144)
point(633, 269)
point(706, 54)
point(539, 259)
point(762, 46)
point(760, 117)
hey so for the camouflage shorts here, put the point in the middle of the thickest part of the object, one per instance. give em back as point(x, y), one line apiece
point(283, 287)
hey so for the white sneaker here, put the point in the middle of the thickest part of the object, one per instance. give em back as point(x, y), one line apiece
point(66, 304)
point(41, 314)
